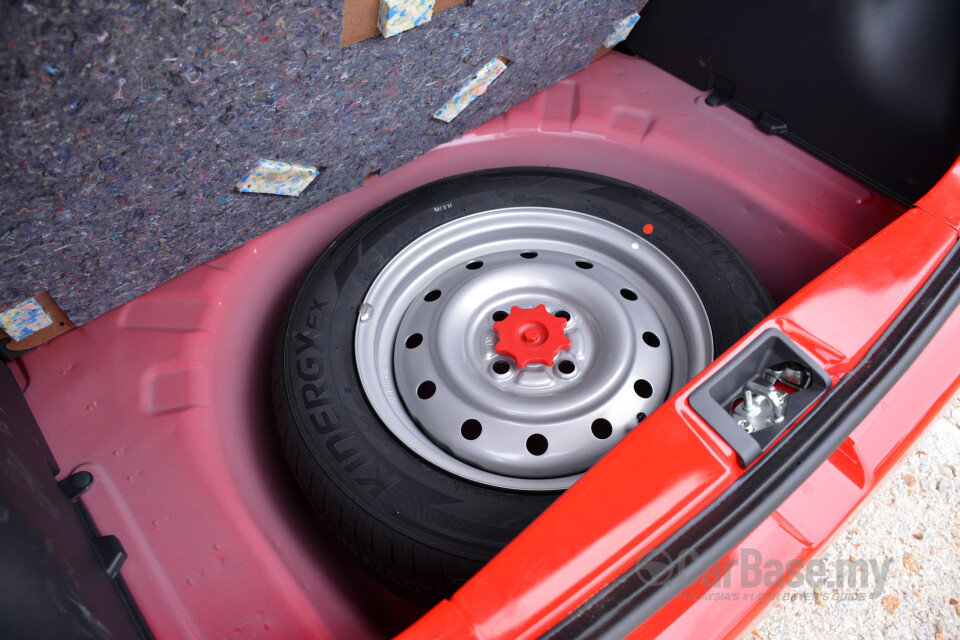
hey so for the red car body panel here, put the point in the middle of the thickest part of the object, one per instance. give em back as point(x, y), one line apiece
point(942, 200)
point(165, 399)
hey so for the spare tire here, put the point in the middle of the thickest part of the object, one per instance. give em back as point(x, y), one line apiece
point(427, 438)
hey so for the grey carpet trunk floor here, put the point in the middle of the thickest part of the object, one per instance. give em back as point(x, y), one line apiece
point(126, 125)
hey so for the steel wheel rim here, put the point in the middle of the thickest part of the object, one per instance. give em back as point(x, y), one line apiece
point(637, 328)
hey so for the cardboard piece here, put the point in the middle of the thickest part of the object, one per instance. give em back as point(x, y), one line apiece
point(613, 37)
point(360, 18)
point(621, 30)
point(24, 318)
point(278, 178)
point(397, 16)
point(58, 323)
point(475, 87)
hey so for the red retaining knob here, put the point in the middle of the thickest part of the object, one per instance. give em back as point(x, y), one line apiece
point(531, 336)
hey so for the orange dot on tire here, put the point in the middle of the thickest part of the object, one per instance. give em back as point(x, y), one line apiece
point(648, 228)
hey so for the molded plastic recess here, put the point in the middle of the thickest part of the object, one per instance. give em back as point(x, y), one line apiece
point(165, 399)
point(714, 399)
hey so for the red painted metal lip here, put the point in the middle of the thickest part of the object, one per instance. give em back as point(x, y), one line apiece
point(531, 336)
point(943, 200)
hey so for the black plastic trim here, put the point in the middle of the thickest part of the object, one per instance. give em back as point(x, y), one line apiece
point(653, 581)
point(112, 555)
point(76, 485)
point(870, 87)
point(715, 395)
point(59, 576)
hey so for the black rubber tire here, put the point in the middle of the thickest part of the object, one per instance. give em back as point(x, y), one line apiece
point(420, 530)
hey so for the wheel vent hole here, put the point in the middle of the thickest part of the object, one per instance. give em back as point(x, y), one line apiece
point(470, 429)
point(562, 314)
point(476, 264)
point(426, 390)
point(529, 255)
point(601, 428)
point(583, 264)
point(628, 294)
point(413, 341)
point(643, 388)
point(501, 367)
point(500, 315)
point(651, 339)
point(537, 444)
point(567, 367)
point(433, 295)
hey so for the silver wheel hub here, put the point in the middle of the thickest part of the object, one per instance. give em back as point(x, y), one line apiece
point(426, 344)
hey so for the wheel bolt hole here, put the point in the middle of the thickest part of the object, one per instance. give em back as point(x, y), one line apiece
point(628, 294)
point(426, 390)
point(651, 339)
point(501, 367)
point(601, 428)
point(529, 255)
point(643, 388)
point(476, 264)
point(537, 444)
point(566, 367)
point(562, 314)
point(413, 341)
point(471, 429)
point(583, 264)
point(433, 295)
point(500, 315)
